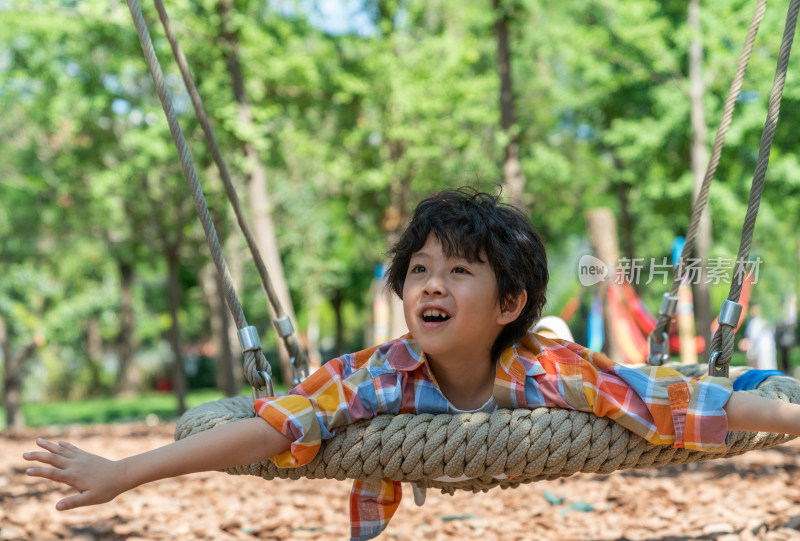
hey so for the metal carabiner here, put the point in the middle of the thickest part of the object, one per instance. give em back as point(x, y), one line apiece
point(715, 369)
point(299, 372)
point(658, 353)
point(267, 391)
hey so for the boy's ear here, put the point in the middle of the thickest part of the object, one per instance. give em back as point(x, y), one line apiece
point(511, 308)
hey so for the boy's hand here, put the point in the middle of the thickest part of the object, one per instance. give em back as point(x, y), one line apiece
point(97, 479)
point(100, 480)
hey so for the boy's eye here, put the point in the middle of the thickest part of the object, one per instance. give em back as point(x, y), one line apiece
point(415, 269)
point(460, 270)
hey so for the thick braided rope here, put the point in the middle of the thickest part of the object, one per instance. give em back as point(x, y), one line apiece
point(700, 203)
point(520, 445)
point(254, 359)
point(211, 141)
point(724, 337)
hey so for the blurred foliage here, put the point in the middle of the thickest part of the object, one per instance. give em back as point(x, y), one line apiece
point(106, 410)
point(91, 181)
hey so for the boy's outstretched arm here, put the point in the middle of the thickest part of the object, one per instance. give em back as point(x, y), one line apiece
point(755, 413)
point(99, 480)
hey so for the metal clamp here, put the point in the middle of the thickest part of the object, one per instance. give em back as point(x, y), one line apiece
point(283, 325)
point(299, 371)
point(659, 353)
point(669, 305)
point(248, 339)
point(267, 391)
point(715, 369)
point(730, 313)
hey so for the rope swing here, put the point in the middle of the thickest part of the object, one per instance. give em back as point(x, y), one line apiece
point(502, 449)
point(475, 451)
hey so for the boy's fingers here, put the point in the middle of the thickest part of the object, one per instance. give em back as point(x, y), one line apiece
point(79, 500)
point(50, 473)
point(68, 446)
point(46, 458)
point(72, 502)
point(52, 447)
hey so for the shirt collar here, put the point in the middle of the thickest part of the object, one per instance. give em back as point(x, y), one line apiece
point(521, 359)
point(406, 355)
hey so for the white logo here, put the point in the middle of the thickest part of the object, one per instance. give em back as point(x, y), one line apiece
point(591, 270)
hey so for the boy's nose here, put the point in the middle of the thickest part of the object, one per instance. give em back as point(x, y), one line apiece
point(434, 285)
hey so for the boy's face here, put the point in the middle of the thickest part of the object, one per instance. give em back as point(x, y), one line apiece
point(451, 305)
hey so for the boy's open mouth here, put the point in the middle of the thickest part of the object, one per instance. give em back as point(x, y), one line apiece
point(434, 316)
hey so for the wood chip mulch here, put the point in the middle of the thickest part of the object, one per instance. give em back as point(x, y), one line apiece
point(753, 496)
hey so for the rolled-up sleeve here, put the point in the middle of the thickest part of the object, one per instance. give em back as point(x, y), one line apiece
point(664, 406)
point(656, 402)
point(706, 421)
point(335, 395)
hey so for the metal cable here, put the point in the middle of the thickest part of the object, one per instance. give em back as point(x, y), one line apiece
point(254, 359)
point(724, 337)
point(290, 341)
point(700, 203)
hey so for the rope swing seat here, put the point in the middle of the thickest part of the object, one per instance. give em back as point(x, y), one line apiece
point(477, 451)
point(502, 449)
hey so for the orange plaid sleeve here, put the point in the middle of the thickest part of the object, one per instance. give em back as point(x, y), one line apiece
point(337, 394)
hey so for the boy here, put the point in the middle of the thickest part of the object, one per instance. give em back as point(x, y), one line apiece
point(472, 275)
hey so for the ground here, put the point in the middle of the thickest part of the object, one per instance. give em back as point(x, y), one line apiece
point(754, 496)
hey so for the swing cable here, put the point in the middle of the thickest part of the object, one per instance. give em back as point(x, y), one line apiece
point(257, 369)
point(722, 342)
point(281, 321)
point(658, 342)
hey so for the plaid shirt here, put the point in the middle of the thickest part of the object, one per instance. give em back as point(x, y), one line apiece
point(657, 403)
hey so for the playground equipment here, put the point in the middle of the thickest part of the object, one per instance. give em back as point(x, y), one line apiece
point(504, 448)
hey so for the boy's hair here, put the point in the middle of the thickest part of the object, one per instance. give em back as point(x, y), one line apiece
point(474, 225)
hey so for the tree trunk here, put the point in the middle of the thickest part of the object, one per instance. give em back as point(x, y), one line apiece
point(94, 353)
point(129, 378)
point(336, 304)
point(394, 222)
point(626, 221)
point(701, 289)
point(236, 261)
point(513, 178)
point(225, 357)
point(603, 234)
point(313, 336)
point(258, 190)
point(381, 320)
point(173, 297)
point(220, 331)
point(12, 378)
